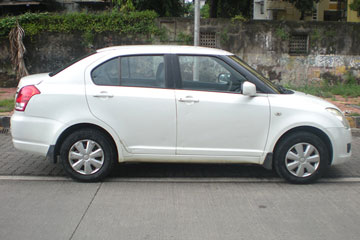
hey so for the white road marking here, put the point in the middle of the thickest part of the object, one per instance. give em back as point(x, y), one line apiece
point(181, 180)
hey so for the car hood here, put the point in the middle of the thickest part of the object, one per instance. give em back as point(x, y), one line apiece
point(299, 100)
point(313, 100)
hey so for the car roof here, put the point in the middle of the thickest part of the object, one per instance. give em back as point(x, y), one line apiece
point(164, 49)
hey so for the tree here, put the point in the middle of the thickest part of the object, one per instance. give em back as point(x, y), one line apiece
point(303, 6)
point(230, 8)
point(213, 7)
point(165, 8)
point(355, 6)
point(124, 5)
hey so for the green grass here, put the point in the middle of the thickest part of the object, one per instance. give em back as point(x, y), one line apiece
point(353, 114)
point(328, 91)
point(6, 105)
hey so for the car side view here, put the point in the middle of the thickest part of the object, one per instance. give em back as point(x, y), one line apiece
point(174, 104)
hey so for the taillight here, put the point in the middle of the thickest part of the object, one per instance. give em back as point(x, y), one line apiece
point(24, 95)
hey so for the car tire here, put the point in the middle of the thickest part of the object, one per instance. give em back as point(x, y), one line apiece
point(301, 158)
point(87, 155)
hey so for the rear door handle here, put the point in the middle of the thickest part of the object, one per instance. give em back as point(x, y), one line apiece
point(189, 99)
point(104, 95)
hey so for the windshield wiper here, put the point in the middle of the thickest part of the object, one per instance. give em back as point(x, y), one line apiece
point(283, 90)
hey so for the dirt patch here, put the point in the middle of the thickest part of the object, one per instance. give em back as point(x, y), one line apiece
point(7, 93)
point(350, 106)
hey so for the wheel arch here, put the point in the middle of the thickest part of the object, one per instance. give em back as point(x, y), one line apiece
point(77, 127)
point(318, 132)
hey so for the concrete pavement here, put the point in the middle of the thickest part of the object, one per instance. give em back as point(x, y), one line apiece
point(162, 210)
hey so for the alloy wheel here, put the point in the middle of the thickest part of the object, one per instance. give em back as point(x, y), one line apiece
point(86, 157)
point(302, 160)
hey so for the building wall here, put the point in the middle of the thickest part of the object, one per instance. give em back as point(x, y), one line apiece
point(352, 16)
point(283, 10)
point(331, 47)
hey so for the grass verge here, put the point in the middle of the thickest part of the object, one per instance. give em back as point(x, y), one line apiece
point(6, 105)
point(325, 91)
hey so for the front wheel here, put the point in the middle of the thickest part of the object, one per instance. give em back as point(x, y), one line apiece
point(87, 155)
point(301, 157)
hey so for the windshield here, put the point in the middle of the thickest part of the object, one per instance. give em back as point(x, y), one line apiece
point(69, 64)
point(257, 74)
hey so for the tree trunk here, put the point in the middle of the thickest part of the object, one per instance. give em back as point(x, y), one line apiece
point(213, 8)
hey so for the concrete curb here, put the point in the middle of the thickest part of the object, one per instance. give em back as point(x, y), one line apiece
point(354, 121)
point(355, 132)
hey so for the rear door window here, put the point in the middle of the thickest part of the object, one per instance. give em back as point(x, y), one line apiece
point(132, 71)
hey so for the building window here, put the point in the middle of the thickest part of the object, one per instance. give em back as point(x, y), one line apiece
point(315, 14)
point(208, 39)
point(298, 44)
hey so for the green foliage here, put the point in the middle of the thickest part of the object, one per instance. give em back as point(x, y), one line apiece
point(224, 37)
point(355, 6)
point(330, 79)
point(333, 85)
point(303, 6)
point(163, 36)
point(124, 5)
point(330, 33)
point(88, 39)
point(164, 8)
point(351, 79)
point(115, 21)
point(315, 36)
point(205, 11)
point(189, 10)
point(230, 8)
point(7, 105)
point(187, 39)
point(239, 18)
point(282, 34)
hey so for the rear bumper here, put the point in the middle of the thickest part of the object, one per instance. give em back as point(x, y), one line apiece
point(37, 148)
point(32, 134)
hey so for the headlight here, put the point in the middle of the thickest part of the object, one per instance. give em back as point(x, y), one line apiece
point(339, 116)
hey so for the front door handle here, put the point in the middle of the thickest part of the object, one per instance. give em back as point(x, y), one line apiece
point(189, 99)
point(103, 94)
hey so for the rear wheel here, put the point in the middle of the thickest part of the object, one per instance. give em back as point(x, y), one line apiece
point(87, 155)
point(301, 157)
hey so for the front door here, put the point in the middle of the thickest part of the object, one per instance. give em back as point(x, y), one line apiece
point(214, 118)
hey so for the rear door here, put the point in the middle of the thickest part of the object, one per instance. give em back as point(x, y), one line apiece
point(214, 118)
point(131, 95)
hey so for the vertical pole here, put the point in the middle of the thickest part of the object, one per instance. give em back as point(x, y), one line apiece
point(197, 23)
point(196, 39)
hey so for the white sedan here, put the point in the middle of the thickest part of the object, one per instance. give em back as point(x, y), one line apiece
point(174, 104)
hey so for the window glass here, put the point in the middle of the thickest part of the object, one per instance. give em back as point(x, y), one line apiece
point(209, 74)
point(143, 71)
point(107, 73)
point(257, 74)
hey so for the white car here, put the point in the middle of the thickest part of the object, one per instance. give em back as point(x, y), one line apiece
point(174, 104)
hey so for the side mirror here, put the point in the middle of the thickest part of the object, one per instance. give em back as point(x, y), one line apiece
point(248, 89)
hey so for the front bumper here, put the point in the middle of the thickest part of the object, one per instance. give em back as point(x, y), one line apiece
point(341, 142)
